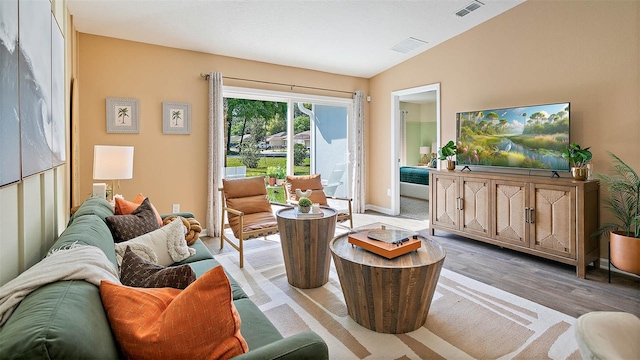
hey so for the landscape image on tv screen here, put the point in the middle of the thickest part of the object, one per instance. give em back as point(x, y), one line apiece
point(523, 137)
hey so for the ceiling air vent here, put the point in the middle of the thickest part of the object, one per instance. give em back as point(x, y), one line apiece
point(408, 45)
point(469, 8)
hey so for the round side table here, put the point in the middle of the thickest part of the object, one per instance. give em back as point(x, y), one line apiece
point(305, 246)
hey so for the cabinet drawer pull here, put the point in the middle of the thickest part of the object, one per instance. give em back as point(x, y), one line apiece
point(532, 216)
point(526, 215)
point(460, 202)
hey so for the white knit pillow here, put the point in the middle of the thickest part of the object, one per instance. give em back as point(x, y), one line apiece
point(164, 246)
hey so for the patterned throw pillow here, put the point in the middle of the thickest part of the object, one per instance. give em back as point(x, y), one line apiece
point(136, 271)
point(125, 207)
point(141, 221)
point(199, 322)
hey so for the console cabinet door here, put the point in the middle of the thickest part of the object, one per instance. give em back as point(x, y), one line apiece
point(510, 202)
point(553, 222)
point(475, 203)
point(445, 207)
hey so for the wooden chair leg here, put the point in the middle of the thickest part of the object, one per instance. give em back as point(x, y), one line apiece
point(241, 250)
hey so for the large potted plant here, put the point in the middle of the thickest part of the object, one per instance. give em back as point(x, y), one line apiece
point(623, 202)
point(447, 152)
point(578, 159)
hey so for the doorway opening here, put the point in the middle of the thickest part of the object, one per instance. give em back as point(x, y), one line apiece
point(415, 137)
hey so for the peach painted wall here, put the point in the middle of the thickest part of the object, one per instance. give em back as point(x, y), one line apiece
point(585, 52)
point(167, 168)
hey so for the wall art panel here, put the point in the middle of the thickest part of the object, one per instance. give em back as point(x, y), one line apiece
point(9, 120)
point(35, 86)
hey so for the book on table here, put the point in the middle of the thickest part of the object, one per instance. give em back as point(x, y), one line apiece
point(310, 214)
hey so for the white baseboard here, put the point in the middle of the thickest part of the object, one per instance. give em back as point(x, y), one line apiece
point(379, 209)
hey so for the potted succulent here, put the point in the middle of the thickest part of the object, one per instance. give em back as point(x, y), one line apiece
point(447, 152)
point(304, 204)
point(624, 204)
point(578, 159)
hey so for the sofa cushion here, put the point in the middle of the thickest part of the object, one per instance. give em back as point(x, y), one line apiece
point(163, 246)
point(306, 182)
point(125, 207)
point(93, 206)
point(170, 323)
point(256, 328)
point(138, 272)
point(62, 320)
point(88, 230)
point(201, 267)
point(141, 221)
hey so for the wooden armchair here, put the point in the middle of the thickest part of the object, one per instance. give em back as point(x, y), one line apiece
point(314, 183)
point(248, 211)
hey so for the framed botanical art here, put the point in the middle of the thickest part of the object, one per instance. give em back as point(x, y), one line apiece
point(176, 118)
point(123, 115)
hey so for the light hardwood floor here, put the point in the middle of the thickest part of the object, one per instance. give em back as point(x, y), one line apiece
point(546, 282)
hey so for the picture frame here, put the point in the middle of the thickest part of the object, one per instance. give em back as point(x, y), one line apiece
point(123, 115)
point(176, 118)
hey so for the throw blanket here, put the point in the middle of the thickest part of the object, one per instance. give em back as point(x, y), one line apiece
point(77, 262)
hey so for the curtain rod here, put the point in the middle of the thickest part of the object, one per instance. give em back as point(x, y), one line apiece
point(206, 77)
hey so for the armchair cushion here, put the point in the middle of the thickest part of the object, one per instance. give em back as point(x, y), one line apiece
point(306, 182)
point(239, 188)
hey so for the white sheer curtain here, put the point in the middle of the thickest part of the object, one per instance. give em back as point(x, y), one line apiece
point(356, 144)
point(216, 154)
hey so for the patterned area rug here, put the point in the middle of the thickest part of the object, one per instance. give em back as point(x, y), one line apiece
point(467, 319)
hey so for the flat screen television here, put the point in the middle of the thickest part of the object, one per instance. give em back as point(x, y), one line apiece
point(527, 137)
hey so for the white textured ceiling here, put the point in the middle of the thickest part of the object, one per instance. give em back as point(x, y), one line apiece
point(346, 37)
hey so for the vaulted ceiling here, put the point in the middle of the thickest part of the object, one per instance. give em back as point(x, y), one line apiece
point(345, 37)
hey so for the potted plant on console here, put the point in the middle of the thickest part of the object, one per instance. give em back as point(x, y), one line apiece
point(280, 174)
point(447, 152)
point(624, 203)
point(578, 158)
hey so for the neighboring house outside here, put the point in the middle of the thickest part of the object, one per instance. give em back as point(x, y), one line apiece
point(277, 141)
point(303, 138)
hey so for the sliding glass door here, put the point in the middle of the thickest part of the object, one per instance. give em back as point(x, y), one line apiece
point(299, 133)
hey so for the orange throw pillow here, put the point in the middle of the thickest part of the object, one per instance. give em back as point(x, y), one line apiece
point(199, 322)
point(124, 207)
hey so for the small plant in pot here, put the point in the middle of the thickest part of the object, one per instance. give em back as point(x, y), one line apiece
point(623, 202)
point(280, 174)
point(272, 172)
point(304, 204)
point(578, 159)
point(447, 152)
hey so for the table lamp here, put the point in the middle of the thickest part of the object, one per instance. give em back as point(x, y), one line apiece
point(112, 163)
point(424, 150)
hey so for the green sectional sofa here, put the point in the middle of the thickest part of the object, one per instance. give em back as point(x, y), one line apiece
point(66, 319)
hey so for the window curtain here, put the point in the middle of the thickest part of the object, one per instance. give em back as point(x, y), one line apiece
point(357, 153)
point(215, 155)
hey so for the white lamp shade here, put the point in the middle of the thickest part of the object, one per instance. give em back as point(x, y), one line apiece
point(425, 150)
point(112, 162)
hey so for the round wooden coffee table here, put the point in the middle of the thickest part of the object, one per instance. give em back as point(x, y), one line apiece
point(388, 295)
point(305, 246)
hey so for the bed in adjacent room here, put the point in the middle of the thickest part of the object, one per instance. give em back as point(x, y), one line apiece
point(414, 182)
